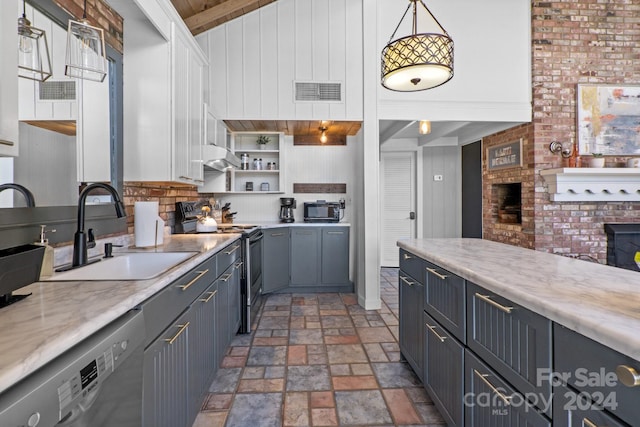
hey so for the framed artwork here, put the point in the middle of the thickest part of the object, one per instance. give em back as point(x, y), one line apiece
point(504, 156)
point(608, 119)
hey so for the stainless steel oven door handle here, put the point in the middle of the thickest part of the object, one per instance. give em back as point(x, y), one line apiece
point(256, 239)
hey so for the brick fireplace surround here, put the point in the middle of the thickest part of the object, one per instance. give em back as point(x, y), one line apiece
point(584, 41)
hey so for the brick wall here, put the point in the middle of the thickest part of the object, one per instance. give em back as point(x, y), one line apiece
point(573, 41)
point(515, 234)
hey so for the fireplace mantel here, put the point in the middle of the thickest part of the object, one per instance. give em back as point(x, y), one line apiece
point(593, 184)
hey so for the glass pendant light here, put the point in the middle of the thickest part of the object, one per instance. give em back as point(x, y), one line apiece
point(418, 61)
point(86, 54)
point(33, 51)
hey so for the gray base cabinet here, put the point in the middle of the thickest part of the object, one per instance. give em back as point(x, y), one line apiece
point(591, 387)
point(443, 371)
point(514, 341)
point(305, 256)
point(184, 350)
point(490, 401)
point(306, 259)
point(411, 331)
point(276, 260)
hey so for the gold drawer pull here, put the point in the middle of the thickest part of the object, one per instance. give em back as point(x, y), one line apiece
point(335, 232)
point(200, 274)
point(180, 331)
point(406, 256)
point(433, 270)
point(587, 423)
point(226, 277)
point(232, 250)
point(6, 142)
point(628, 375)
point(404, 279)
point(237, 265)
point(185, 177)
point(487, 299)
point(484, 379)
point(277, 234)
point(211, 294)
point(433, 329)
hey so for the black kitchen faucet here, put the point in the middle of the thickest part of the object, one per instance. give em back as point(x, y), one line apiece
point(80, 242)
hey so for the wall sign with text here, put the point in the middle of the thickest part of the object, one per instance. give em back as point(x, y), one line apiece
point(505, 156)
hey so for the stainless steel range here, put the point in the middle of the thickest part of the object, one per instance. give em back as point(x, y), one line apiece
point(251, 281)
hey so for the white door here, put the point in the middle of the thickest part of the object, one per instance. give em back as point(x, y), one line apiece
point(398, 200)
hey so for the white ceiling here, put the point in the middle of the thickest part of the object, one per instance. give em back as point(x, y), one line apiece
point(442, 133)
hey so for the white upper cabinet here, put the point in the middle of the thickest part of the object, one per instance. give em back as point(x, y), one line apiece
point(257, 59)
point(8, 76)
point(163, 95)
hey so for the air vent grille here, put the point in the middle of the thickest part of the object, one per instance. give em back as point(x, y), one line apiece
point(58, 91)
point(316, 91)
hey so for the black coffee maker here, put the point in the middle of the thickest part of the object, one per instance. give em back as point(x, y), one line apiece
point(287, 206)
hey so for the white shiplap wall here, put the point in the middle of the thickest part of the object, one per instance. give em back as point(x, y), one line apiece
point(255, 59)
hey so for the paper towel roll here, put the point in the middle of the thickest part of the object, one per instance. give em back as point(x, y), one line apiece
point(147, 230)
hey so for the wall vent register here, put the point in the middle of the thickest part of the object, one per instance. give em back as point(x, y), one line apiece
point(318, 91)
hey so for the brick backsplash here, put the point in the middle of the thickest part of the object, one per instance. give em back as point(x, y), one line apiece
point(573, 42)
point(167, 194)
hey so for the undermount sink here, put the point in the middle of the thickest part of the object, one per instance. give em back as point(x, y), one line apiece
point(125, 266)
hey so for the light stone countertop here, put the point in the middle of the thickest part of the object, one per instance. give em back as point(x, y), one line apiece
point(598, 301)
point(59, 315)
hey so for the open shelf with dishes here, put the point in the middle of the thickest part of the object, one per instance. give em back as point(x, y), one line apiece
point(260, 171)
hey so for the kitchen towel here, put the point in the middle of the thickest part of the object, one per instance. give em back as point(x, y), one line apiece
point(148, 227)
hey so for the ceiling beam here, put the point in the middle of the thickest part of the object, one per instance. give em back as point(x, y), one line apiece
point(394, 129)
point(219, 11)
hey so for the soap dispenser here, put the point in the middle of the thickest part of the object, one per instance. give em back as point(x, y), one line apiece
point(47, 259)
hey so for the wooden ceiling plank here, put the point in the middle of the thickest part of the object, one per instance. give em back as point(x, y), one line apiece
point(229, 7)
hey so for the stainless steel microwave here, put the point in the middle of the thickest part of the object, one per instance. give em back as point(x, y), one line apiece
point(321, 211)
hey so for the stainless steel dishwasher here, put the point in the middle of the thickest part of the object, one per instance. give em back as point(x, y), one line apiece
point(97, 383)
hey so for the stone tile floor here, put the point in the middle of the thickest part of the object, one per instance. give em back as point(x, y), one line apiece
point(319, 360)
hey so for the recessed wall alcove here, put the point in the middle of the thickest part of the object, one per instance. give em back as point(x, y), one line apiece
point(506, 201)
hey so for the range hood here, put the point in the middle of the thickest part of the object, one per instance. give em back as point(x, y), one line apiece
point(219, 158)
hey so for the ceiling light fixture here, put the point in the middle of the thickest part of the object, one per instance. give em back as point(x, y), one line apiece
point(86, 55)
point(323, 136)
point(425, 127)
point(33, 51)
point(418, 61)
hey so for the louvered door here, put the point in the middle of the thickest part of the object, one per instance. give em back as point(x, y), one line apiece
point(397, 178)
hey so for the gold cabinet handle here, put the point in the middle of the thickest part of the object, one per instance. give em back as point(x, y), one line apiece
point(628, 375)
point(226, 277)
point(588, 423)
point(207, 299)
point(200, 274)
point(335, 232)
point(238, 265)
point(404, 279)
point(277, 234)
point(484, 379)
point(180, 331)
point(185, 177)
point(406, 256)
point(232, 250)
point(433, 329)
point(6, 142)
point(433, 270)
point(487, 299)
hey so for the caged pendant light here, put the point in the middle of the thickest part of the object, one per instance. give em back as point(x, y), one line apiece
point(418, 61)
point(33, 51)
point(86, 55)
